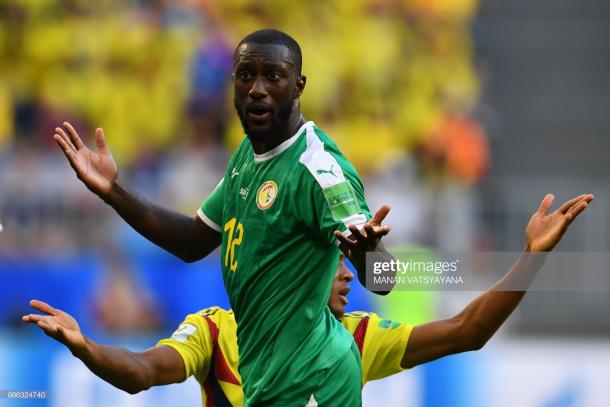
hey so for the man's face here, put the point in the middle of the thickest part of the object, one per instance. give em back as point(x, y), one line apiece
point(266, 85)
point(338, 295)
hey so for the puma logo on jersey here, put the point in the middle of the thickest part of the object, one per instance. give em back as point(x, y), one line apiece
point(234, 173)
point(320, 172)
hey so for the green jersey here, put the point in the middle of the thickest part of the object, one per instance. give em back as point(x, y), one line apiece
point(277, 213)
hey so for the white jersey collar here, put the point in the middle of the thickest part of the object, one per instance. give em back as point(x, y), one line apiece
point(282, 147)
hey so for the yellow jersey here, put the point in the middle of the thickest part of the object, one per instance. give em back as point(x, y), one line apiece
point(207, 343)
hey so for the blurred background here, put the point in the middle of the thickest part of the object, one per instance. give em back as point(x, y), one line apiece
point(459, 114)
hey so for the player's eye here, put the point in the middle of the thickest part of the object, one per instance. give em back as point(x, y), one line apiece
point(244, 75)
point(274, 76)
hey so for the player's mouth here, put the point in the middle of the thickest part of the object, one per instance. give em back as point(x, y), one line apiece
point(343, 294)
point(258, 114)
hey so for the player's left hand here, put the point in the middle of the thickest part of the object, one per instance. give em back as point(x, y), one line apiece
point(57, 324)
point(545, 230)
point(366, 239)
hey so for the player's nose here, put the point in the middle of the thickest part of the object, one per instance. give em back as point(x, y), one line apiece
point(258, 89)
point(347, 274)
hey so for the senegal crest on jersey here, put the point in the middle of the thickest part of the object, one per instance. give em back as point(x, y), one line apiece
point(266, 195)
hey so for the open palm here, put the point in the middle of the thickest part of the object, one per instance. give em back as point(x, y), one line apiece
point(98, 171)
point(544, 230)
point(57, 324)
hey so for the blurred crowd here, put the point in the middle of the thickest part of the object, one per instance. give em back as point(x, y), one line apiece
point(392, 81)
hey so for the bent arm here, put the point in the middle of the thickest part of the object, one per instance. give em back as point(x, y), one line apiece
point(130, 371)
point(477, 323)
point(188, 238)
point(472, 328)
point(381, 255)
point(367, 239)
point(126, 370)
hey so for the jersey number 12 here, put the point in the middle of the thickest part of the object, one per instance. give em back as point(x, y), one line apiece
point(236, 234)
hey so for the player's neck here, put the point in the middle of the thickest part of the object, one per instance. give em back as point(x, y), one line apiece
point(286, 131)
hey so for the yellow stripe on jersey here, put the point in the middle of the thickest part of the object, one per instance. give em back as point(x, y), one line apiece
point(207, 342)
point(381, 342)
point(210, 355)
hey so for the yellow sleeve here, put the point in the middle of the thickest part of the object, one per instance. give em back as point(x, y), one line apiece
point(384, 346)
point(193, 341)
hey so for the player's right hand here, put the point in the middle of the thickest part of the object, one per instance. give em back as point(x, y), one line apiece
point(97, 170)
point(57, 324)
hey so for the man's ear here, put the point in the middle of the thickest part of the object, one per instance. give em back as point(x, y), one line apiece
point(233, 76)
point(300, 86)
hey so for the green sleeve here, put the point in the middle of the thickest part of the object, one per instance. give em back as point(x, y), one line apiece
point(338, 196)
point(211, 209)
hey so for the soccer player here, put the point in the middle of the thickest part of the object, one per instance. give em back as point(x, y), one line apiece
point(288, 200)
point(205, 344)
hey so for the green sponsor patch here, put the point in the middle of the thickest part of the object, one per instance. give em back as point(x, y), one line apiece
point(342, 201)
point(386, 323)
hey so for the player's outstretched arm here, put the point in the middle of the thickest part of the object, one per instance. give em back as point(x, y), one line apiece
point(186, 237)
point(126, 370)
point(477, 323)
point(367, 239)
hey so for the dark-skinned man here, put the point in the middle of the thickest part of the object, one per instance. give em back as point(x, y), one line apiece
point(289, 201)
point(205, 344)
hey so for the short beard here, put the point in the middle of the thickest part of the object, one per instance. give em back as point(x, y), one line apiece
point(279, 121)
